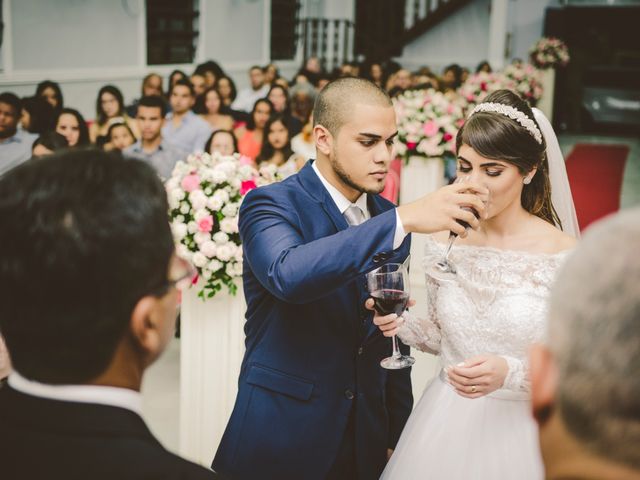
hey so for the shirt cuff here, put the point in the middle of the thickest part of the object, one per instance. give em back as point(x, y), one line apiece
point(398, 238)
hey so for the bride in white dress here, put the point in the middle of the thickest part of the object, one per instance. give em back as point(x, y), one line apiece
point(473, 420)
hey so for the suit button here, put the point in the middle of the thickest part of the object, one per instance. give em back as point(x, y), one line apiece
point(360, 350)
point(348, 394)
point(384, 256)
point(376, 258)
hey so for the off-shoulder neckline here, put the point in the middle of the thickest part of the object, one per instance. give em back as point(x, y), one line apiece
point(481, 248)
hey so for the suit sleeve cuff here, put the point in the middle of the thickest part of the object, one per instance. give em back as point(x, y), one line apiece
point(398, 238)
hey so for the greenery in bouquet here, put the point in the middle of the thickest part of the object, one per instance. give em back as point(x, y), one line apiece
point(205, 193)
point(549, 52)
point(525, 80)
point(428, 121)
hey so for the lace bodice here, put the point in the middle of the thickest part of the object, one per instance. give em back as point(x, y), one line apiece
point(497, 305)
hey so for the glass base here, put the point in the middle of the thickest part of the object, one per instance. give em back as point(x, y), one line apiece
point(397, 363)
point(443, 271)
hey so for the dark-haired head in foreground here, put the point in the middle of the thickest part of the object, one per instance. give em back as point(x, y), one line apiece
point(86, 261)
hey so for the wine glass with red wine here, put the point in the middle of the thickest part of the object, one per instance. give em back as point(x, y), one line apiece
point(389, 288)
point(444, 269)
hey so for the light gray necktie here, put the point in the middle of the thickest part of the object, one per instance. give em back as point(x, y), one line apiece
point(354, 215)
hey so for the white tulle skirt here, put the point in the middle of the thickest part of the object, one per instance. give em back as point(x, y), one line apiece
point(449, 437)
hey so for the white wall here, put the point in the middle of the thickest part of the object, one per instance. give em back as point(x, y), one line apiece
point(526, 22)
point(85, 44)
point(463, 38)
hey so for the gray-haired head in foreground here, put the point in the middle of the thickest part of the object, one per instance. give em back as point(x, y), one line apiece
point(594, 333)
point(337, 99)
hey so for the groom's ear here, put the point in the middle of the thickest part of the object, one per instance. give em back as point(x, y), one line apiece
point(544, 382)
point(323, 139)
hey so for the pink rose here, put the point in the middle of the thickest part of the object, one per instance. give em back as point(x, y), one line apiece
point(206, 224)
point(190, 182)
point(430, 128)
point(447, 136)
point(247, 186)
point(411, 145)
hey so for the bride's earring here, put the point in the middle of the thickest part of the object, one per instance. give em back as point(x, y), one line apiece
point(527, 180)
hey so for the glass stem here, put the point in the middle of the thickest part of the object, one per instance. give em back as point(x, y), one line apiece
point(452, 238)
point(396, 351)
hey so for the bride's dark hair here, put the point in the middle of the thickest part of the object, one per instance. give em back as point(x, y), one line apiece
point(496, 136)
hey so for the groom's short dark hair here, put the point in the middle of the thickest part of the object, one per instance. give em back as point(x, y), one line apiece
point(84, 235)
point(337, 99)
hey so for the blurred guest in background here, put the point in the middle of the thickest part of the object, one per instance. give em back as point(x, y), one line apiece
point(37, 115)
point(183, 128)
point(109, 110)
point(52, 93)
point(15, 144)
point(48, 143)
point(71, 124)
point(223, 142)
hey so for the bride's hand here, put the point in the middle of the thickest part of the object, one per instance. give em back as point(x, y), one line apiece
point(388, 324)
point(478, 376)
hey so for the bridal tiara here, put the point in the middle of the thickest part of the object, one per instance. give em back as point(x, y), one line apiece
point(513, 113)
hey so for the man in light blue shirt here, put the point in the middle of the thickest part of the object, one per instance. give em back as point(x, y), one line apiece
point(15, 146)
point(183, 128)
point(151, 147)
point(247, 97)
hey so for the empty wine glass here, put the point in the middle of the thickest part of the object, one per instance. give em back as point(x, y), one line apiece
point(389, 288)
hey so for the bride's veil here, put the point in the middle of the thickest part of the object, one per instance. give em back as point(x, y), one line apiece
point(560, 189)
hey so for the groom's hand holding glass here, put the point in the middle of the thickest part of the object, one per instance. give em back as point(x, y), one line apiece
point(445, 208)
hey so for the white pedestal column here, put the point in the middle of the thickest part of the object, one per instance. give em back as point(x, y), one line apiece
point(212, 347)
point(419, 177)
point(548, 86)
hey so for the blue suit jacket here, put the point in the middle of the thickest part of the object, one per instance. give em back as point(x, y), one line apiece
point(312, 351)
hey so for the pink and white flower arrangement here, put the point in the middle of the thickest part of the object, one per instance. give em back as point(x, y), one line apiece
point(479, 85)
point(428, 121)
point(205, 193)
point(549, 52)
point(524, 79)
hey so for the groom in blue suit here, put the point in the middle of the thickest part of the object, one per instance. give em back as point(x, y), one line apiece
point(313, 401)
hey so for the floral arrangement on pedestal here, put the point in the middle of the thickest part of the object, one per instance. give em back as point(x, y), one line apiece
point(205, 192)
point(428, 121)
point(479, 85)
point(524, 79)
point(549, 52)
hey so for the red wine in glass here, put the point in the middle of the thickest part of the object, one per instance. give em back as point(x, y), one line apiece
point(465, 224)
point(388, 301)
point(388, 285)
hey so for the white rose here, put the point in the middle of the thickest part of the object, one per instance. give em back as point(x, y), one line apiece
point(214, 203)
point(214, 265)
point(199, 260)
point(198, 199)
point(225, 252)
point(230, 210)
point(179, 230)
point(200, 214)
point(201, 237)
point(180, 218)
point(229, 225)
point(192, 227)
point(234, 269)
point(221, 238)
point(208, 248)
point(218, 176)
point(185, 208)
point(239, 254)
point(222, 195)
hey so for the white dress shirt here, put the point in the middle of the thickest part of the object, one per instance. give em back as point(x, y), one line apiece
point(342, 203)
point(102, 395)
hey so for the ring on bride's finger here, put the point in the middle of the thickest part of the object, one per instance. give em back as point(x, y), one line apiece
point(474, 389)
